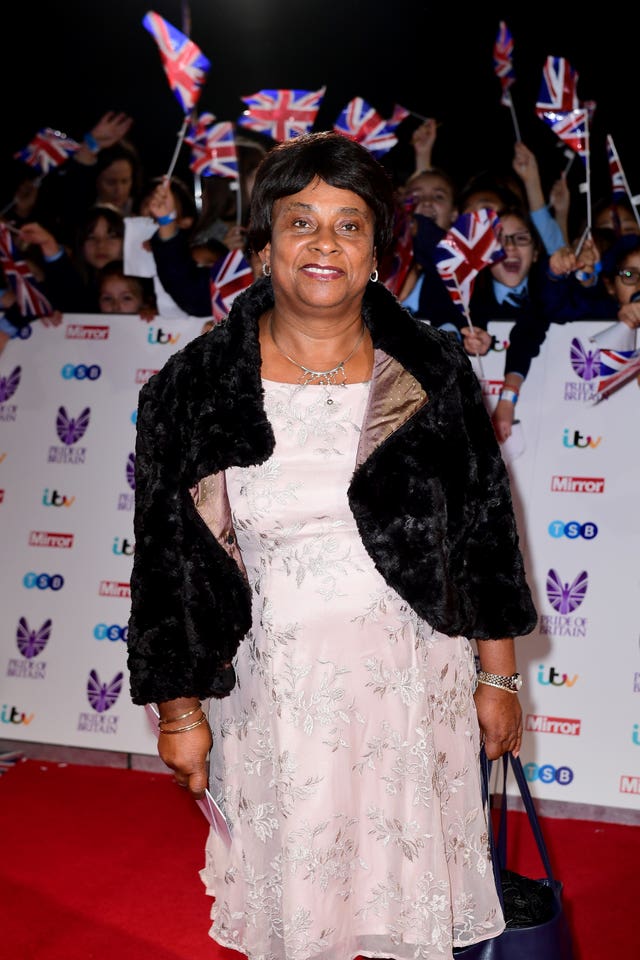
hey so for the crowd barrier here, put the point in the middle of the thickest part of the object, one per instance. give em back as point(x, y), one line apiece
point(68, 399)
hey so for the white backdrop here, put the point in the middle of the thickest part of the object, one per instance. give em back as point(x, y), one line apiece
point(67, 411)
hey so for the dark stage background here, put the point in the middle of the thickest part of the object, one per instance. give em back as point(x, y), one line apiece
point(68, 62)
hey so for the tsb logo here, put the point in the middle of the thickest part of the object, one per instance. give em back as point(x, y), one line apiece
point(548, 774)
point(42, 581)
point(80, 372)
point(102, 632)
point(572, 529)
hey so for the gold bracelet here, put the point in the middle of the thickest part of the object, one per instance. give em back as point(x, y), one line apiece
point(189, 726)
point(183, 716)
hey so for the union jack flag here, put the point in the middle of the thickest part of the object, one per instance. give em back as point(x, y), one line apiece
point(616, 173)
point(282, 114)
point(470, 244)
point(502, 65)
point(558, 88)
point(198, 128)
point(559, 107)
point(396, 265)
point(214, 154)
point(184, 63)
point(360, 122)
point(48, 149)
point(572, 129)
point(617, 367)
point(228, 278)
point(31, 302)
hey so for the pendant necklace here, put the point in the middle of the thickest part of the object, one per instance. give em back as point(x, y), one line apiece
point(323, 378)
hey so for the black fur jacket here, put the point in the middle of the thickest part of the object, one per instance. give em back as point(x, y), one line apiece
point(429, 493)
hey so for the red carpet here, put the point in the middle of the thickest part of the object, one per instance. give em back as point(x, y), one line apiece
point(102, 864)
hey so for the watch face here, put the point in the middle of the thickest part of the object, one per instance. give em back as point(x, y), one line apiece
point(517, 681)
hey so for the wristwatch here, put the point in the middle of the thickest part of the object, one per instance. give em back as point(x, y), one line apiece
point(513, 683)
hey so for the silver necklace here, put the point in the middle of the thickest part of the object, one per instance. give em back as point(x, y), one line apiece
point(323, 378)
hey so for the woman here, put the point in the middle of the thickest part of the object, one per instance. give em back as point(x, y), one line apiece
point(323, 513)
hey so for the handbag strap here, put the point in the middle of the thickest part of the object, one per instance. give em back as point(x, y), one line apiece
point(534, 823)
point(485, 773)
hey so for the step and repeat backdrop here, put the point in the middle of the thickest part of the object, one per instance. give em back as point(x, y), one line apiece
point(68, 398)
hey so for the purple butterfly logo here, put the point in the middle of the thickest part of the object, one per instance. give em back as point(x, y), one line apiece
point(565, 597)
point(131, 470)
point(102, 696)
point(9, 385)
point(32, 642)
point(586, 363)
point(70, 430)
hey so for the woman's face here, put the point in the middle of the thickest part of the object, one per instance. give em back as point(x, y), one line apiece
point(520, 252)
point(321, 251)
point(114, 184)
point(102, 244)
point(119, 295)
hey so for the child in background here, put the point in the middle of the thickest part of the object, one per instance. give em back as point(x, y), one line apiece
point(69, 277)
point(120, 293)
point(510, 289)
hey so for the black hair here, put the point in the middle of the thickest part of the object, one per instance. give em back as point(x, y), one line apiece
point(616, 254)
point(515, 210)
point(181, 193)
point(115, 268)
point(122, 150)
point(487, 182)
point(291, 166)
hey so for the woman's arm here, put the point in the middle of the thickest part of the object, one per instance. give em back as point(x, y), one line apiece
point(499, 711)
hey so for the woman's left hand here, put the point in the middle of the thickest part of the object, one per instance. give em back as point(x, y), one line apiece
point(500, 718)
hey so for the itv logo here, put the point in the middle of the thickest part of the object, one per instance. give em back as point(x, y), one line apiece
point(577, 440)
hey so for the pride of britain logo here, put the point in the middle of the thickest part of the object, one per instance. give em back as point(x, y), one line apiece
point(70, 430)
point(585, 362)
point(102, 695)
point(565, 597)
point(126, 499)
point(8, 386)
point(30, 643)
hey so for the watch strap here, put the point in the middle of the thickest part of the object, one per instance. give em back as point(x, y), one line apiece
point(512, 683)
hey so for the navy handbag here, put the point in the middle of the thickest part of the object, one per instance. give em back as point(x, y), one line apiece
point(537, 927)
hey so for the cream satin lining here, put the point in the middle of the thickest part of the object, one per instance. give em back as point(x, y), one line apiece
point(395, 396)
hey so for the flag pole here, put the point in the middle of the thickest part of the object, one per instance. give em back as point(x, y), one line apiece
point(467, 315)
point(235, 185)
point(174, 159)
point(510, 104)
point(186, 29)
point(588, 167)
point(570, 156)
point(624, 179)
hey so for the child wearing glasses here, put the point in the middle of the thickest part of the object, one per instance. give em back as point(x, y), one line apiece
point(510, 289)
point(602, 282)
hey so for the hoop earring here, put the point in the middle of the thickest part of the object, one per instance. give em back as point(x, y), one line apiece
point(374, 277)
point(266, 269)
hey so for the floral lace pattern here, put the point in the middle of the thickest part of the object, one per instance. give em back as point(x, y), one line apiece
point(346, 757)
